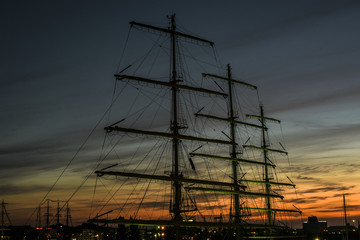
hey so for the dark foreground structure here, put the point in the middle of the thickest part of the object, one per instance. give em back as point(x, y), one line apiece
point(313, 230)
point(90, 231)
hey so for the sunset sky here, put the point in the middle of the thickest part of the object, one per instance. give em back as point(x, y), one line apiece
point(57, 64)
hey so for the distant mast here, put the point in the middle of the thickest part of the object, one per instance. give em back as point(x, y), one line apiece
point(4, 215)
point(346, 223)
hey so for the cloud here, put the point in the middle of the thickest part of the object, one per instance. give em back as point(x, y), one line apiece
point(307, 200)
point(11, 189)
point(327, 189)
point(340, 209)
point(305, 178)
point(292, 21)
point(41, 72)
point(318, 100)
point(32, 77)
point(346, 194)
point(155, 205)
point(303, 171)
point(330, 210)
point(46, 153)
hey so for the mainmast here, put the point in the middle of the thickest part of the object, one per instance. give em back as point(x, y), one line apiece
point(233, 152)
point(175, 126)
point(175, 135)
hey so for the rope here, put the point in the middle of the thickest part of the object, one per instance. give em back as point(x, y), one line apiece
point(72, 159)
point(123, 51)
point(93, 196)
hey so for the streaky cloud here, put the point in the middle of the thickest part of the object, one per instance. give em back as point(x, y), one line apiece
point(333, 97)
point(307, 199)
point(327, 189)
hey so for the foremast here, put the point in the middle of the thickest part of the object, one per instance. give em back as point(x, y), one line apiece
point(175, 127)
point(233, 152)
point(174, 84)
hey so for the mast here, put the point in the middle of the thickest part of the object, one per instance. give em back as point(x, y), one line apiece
point(175, 126)
point(266, 170)
point(175, 130)
point(38, 217)
point(346, 223)
point(48, 213)
point(235, 160)
point(4, 215)
point(233, 152)
point(58, 213)
point(68, 216)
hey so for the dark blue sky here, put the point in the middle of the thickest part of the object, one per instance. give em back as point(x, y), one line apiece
point(58, 59)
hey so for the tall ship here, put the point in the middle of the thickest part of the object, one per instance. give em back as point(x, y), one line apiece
point(188, 145)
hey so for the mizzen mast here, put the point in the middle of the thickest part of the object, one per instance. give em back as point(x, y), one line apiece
point(270, 219)
point(267, 179)
point(265, 149)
